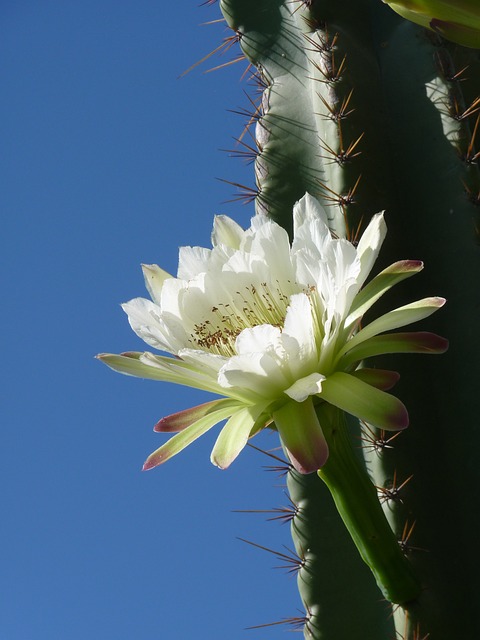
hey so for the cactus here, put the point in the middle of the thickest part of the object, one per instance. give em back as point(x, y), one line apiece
point(361, 111)
point(366, 112)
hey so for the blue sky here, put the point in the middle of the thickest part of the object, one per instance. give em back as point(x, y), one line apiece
point(109, 160)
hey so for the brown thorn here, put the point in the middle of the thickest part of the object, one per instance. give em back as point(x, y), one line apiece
point(253, 116)
point(333, 73)
point(355, 237)
point(248, 154)
point(406, 535)
point(294, 561)
point(267, 453)
point(342, 200)
point(222, 48)
point(239, 58)
point(471, 157)
point(473, 108)
point(296, 622)
point(245, 194)
point(282, 469)
point(343, 155)
point(376, 442)
point(392, 493)
point(341, 113)
point(284, 514)
point(446, 67)
point(209, 22)
point(406, 632)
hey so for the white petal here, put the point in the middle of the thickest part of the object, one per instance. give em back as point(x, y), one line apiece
point(369, 245)
point(192, 261)
point(170, 294)
point(308, 208)
point(144, 317)
point(257, 339)
point(299, 324)
point(272, 245)
point(305, 387)
point(154, 278)
point(234, 436)
point(203, 360)
point(181, 440)
point(259, 373)
point(151, 367)
point(314, 236)
point(227, 232)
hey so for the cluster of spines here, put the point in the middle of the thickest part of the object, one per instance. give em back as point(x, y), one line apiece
point(334, 174)
point(464, 116)
point(292, 561)
point(392, 492)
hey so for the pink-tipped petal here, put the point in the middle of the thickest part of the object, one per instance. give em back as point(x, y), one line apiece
point(365, 402)
point(234, 436)
point(384, 281)
point(302, 435)
point(183, 419)
point(406, 342)
point(395, 319)
point(182, 439)
point(379, 378)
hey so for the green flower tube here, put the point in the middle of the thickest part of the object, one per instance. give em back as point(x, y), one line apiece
point(357, 503)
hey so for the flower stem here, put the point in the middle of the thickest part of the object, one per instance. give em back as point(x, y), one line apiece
point(357, 503)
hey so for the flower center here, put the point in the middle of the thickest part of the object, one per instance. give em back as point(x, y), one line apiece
point(250, 307)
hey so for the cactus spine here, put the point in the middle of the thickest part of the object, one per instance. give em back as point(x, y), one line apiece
point(368, 112)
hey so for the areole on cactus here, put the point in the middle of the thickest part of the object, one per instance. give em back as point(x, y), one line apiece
point(456, 20)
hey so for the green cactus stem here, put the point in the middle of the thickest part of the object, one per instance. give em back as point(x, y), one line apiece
point(367, 112)
point(357, 503)
point(327, 550)
point(434, 213)
point(313, 133)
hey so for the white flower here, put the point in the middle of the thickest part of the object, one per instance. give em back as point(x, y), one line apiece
point(275, 329)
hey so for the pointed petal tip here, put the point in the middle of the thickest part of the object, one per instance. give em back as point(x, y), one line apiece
point(180, 420)
point(382, 379)
point(309, 465)
point(218, 464)
point(443, 345)
point(147, 465)
point(155, 459)
point(400, 420)
point(159, 427)
point(438, 301)
point(413, 265)
point(430, 342)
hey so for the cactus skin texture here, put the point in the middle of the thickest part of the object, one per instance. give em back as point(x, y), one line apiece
point(456, 20)
point(367, 112)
